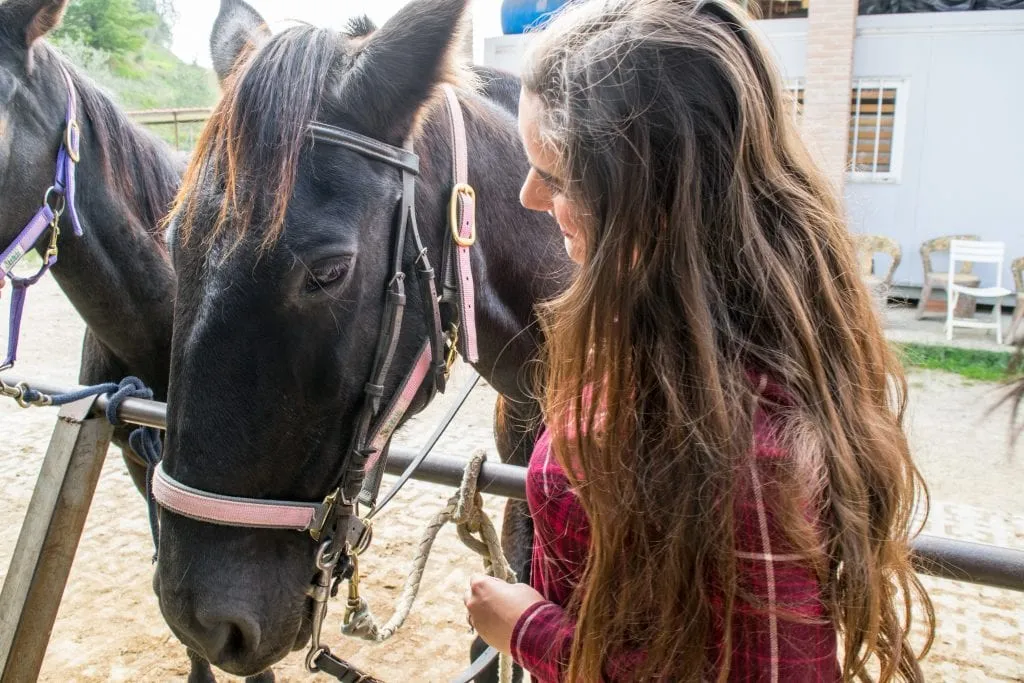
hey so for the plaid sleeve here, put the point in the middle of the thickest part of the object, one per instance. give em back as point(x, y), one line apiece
point(541, 640)
point(781, 629)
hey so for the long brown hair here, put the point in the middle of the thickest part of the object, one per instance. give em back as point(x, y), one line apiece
point(714, 247)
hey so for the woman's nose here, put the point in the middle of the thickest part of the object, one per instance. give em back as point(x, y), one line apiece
point(533, 195)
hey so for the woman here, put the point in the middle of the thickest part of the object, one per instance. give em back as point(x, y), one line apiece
point(723, 490)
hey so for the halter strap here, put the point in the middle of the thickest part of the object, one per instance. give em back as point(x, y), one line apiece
point(374, 428)
point(58, 199)
point(462, 223)
point(234, 510)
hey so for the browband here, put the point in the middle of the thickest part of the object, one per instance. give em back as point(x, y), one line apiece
point(381, 151)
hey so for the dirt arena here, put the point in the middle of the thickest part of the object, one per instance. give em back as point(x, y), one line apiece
point(110, 629)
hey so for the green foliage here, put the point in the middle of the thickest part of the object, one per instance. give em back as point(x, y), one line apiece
point(123, 46)
point(114, 26)
point(986, 366)
point(152, 78)
point(166, 15)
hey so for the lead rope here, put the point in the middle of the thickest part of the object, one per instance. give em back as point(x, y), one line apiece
point(475, 529)
point(144, 441)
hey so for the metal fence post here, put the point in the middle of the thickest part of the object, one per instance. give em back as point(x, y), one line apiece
point(39, 568)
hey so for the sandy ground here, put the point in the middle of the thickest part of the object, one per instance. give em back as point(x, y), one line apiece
point(109, 627)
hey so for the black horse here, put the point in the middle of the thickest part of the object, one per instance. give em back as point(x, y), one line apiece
point(118, 274)
point(282, 251)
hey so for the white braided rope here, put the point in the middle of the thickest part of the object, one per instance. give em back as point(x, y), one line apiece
point(475, 530)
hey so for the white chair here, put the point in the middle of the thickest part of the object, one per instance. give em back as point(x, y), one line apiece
point(975, 252)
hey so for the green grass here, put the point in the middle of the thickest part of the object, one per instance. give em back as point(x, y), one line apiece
point(985, 366)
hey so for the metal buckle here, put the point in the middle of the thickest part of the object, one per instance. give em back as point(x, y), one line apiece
point(69, 140)
point(453, 208)
point(316, 528)
point(363, 536)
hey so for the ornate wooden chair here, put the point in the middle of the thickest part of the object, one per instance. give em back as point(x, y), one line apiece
point(937, 279)
point(867, 247)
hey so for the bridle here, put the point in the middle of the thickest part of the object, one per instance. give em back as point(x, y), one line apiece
point(58, 199)
point(334, 521)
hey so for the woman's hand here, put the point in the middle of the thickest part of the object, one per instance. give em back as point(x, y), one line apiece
point(495, 606)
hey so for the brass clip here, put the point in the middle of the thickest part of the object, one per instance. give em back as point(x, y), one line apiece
point(354, 602)
point(18, 392)
point(51, 249)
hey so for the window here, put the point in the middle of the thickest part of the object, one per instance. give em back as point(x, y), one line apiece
point(776, 9)
point(876, 126)
point(877, 120)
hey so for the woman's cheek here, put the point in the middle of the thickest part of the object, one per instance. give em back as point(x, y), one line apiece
point(572, 229)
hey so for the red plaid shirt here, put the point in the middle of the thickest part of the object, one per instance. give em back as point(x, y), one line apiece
point(766, 646)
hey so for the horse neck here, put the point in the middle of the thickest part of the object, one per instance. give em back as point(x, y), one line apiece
point(117, 274)
point(518, 259)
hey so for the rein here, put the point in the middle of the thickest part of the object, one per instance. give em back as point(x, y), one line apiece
point(58, 199)
point(334, 522)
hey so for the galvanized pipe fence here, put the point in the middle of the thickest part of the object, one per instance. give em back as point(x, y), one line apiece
point(35, 581)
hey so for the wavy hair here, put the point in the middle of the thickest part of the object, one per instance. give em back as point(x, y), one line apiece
point(714, 246)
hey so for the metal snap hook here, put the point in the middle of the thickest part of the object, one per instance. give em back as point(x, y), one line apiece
point(325, 559)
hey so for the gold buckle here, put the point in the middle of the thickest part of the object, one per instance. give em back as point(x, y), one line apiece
point(327, 505)
point(470, 193)
point(72, 151)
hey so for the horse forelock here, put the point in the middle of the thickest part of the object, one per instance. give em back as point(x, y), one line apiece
point(250, 147)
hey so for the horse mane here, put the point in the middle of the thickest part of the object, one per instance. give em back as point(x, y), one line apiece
point(360, 27)
point(251, 144)
point(140, 167)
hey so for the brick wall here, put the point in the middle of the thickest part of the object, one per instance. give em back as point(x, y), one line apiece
point(828, 80)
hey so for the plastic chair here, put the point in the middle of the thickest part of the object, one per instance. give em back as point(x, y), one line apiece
point(869, 245)
point(934, 279)
point(961, 251)
point(1017, 268)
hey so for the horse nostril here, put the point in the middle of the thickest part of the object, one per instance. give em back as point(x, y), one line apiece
point(228, 639)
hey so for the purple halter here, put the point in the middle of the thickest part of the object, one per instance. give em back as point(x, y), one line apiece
point(58, 199)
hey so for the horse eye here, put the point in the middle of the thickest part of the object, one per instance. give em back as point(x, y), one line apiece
point(328, 273)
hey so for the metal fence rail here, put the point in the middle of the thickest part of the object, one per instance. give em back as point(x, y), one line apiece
point(948, 558)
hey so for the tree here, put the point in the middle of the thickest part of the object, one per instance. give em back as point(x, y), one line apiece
point(115, 26)
point(166, 15)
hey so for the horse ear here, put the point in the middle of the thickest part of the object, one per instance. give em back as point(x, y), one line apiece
point(238, 28)
point(397, 69)
point(32, 19)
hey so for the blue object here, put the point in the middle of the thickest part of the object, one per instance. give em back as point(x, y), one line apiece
point(519, 16)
